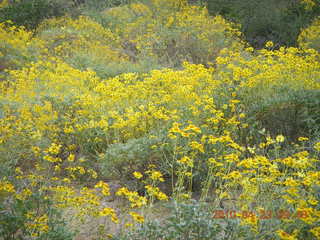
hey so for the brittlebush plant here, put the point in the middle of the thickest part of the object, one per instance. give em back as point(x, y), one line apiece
point(310, 36)
point(82, 43)
point(17, 47)
point(265, 175)
point(278, 87)
point(263, 179)
point(171, 32)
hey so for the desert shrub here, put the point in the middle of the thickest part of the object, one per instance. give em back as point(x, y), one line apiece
point(26, 212)
point(185, 221)
point(261, 21)
point(84, 44)
point(31, 13)
point(49, 122)
point(76, 109)
point(139, 37)
point(172, 31)
point(284, 100)
point(101, 4)
point(17, 47)
point(293, 114)
point(256, 179)
point(109, 69)
point(66, 30)
point(152, 113)
point(32, 203)
point(121, 159)
point(214, 111)
point(310, 36)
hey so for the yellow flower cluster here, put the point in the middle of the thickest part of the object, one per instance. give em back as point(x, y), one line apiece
point(137, 175)
point(134, 198)
point(138, 218)
point(6, 186)
point(37, 224)
point(155, 192)
point(105, 190)
point(109, 212)
point(309, 4)
point(17, 46)
point(155, 175)
point(310, 36)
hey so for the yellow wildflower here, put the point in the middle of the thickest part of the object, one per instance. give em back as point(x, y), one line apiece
point(286, 236)
point(316, 232)
point(157, 176)
point(301, 139)
point(280, 138)
point(137, 175)
point(137, 217)
point(269, 44)
point(71, 157)
point(105, 190)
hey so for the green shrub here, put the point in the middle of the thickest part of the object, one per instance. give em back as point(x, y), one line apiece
point(169, 33)
point(293, 113)
point(101, 4)
point(26, 214)
point(188, 221)
point(73, 41)
point(111, 69)
point(30, 13)
point(121, 159)
point(278, 21)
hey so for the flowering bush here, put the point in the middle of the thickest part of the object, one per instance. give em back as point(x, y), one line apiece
point(278, 87)
point(310, 36)
point(17, 47)
point(172, 31)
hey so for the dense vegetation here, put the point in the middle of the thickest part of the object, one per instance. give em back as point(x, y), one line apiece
point(155, 120)
point(276, 20)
